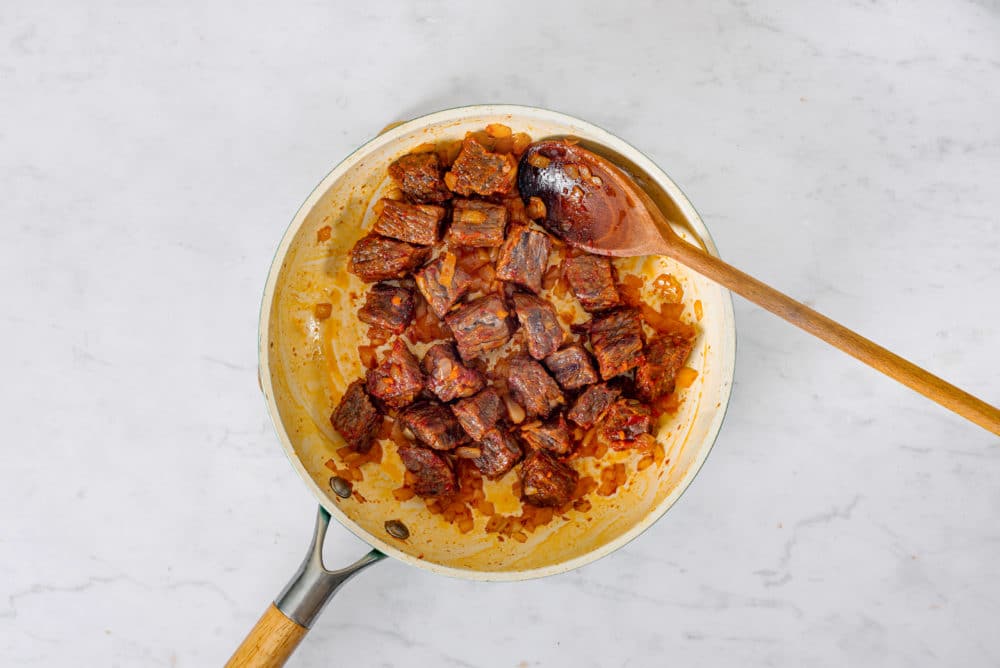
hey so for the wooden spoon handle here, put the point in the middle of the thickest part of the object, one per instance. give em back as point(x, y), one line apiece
point(837, 335)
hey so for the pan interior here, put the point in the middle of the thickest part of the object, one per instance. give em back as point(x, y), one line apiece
point(307, 363)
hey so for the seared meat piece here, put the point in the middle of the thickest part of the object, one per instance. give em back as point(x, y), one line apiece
point(476, 223)
point(523, 258)
point(433, 425)
point(616, 338)
point(551, 435)
point(591, 404)
point(419, 176)
point(480, 413)
point(532, 387)
point(480, 326)
point(412, 223)
point(478, 171)
point(442, 282)
point(499, 453)
point(664, 358)
point(572, 367)
point(397, 381)
point(447, 377)
point(625, 421)
point(545, 481)
point(593, 281)
point(388, 307)
point(541, 324)
point(376, 258)
point(433, 472)
point(356, 418)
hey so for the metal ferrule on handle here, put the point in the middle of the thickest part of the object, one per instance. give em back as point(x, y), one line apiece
point(312, 586)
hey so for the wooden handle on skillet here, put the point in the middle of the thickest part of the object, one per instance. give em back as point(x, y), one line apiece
point(852, 343)
point(270, 642)
point(285, 623)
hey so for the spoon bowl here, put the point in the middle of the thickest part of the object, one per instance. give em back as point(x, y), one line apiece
point(590, 203)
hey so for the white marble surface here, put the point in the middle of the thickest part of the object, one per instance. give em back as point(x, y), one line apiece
point(848, 153)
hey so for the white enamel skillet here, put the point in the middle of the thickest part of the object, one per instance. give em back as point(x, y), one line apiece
point(306, 363)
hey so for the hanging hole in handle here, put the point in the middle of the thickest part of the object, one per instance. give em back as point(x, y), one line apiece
point(341, 547)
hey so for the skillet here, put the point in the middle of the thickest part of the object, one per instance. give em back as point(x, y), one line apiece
point(306, 363)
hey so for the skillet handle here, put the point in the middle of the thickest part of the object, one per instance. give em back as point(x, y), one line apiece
point(270, 642)
point(286, 621)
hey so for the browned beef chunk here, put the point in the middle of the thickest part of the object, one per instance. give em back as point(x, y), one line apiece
point(442, 283)
point(397, 380)
point(419, 176)
point(388, 307)
point(480, 326)
point(376, 258)
point(412, 223)
point(572, 367)
point(551, 435)
point(479, 171)
point(500, 452)
point(432, 471)
point(664, 358)
point(616, 338)
point(591, 404)
point(545, 481)
point(624, 422)
point(356, 418)
point(592, 279)
point(480, 413)
point(523, 258)
point(433, 425)
point(532, 387)
point(541, 324)
point(478, 224)
point(447, 377)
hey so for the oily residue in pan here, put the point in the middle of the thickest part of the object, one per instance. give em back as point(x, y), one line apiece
point(312, 360)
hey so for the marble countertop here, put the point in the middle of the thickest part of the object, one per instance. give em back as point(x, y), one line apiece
point(847, 153)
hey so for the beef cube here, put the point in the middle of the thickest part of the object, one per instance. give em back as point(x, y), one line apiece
point(625, 422)
point(664, 358)
point(376, 258)
point(523, 258)
point(480, 413)
point(545, 481)
point(500, 452)
point(419, 176)
point(551, 435)
point(480, 326)
point(616, 337)
point(532, 387)
point(447, 377)
point(412, 223)
point(591, 277)
point(433, 425)
point(572, 367)
point(479, 171)
point(442, 283)
point(591, 404)
point(434, 474)
point(477, 224)
point(541, 325)
point(397, 381)
point(388, 307)
point(356, 418)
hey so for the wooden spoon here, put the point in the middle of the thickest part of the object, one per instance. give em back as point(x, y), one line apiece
point(595, 206)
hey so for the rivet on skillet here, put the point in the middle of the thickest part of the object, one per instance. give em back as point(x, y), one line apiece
point(397, 529)
point(340, 487)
